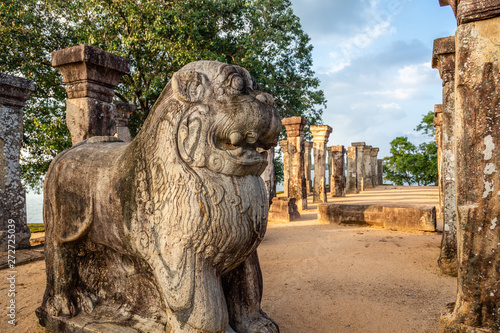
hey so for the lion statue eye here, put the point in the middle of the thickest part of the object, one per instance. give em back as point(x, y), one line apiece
point(237, 83)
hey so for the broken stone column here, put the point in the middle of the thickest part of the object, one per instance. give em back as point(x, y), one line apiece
point(351, 185)
point(286, 166)
point(297, 182)
point(90, 75)
point(307, 164)
point(123, 112)
point(438, 124)
point(269, 177)
point(477, 158)
point(380, 171)
point(14, 232)
point(337, 178)
point(373, 165)
point(320, 134)
point(444, 60)
point(360, 165)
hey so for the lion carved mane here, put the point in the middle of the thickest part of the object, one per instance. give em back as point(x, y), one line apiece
point(160, 234)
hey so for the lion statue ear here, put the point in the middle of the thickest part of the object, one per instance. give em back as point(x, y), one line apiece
point(189, 86)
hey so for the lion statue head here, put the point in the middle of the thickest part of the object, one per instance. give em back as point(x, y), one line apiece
point(224, 122)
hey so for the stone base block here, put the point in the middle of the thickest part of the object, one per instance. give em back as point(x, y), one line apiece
point(448, 266)
point(448, 323)
point(283, 210)
point(415, 218)
point(22, 240)
point(104, 319)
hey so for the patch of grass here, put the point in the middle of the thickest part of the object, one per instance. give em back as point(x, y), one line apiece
point(36, 227)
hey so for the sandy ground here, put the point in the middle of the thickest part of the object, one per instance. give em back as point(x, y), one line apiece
point(321, 278)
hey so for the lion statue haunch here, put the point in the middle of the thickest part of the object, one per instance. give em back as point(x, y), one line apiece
point(160, 234)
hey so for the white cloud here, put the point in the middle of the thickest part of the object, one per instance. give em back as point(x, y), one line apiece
point(389, 106)
point(378, 23)
point(400, 94)
point(416, 74)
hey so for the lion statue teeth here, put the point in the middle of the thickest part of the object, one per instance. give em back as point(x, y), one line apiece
point(160, 234)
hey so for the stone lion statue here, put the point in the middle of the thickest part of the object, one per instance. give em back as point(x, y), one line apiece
point(160, 234)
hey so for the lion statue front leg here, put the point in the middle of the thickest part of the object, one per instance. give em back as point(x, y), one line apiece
point(243, 291)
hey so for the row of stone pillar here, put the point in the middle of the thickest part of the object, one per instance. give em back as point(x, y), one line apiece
point(297, 164)
point(364, 170)
point(468, 135)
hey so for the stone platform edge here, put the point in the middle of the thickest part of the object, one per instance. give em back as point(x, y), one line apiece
point(399, 217)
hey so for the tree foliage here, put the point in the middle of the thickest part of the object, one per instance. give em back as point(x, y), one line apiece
point(412, 164)
point(159, 37)
point(427, 124)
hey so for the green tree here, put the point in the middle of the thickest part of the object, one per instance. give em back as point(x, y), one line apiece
point(159, 37)
point(427, 124)
point(398, 168)
point(412, 164)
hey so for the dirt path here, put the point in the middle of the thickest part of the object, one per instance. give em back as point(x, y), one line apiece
point(319, 279)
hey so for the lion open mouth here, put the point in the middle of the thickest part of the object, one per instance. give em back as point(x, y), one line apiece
point(244, 154)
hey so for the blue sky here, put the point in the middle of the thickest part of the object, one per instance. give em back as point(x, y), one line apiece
point(373, 58)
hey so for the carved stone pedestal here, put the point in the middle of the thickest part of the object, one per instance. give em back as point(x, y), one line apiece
point(283, 210)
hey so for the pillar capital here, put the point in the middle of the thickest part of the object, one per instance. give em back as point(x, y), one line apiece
point(443, 57)
point(90, 72)
point(438, 115)
point(123, 112)
point(473, 10)
point(294, 126)
point(284, 146)
point(15, 91)
point(320, 133)
point(374, 152)
point(339, 148)
point(358, 144)
point(308, 145)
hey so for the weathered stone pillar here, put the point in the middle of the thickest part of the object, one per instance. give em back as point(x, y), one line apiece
point(380, 171)
point(307, 164)
point(337, 178)
point(444, 60)
point(122, 115)
point(360, 165)
point(367, 176)
point(373, 165)
point(477, 172)
point(90, 75)
point(438, 124)
point(269, 177)
point(320, 134)
point(297, 182)
point(14, 91)
point(286, 166)
point(351, 185)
